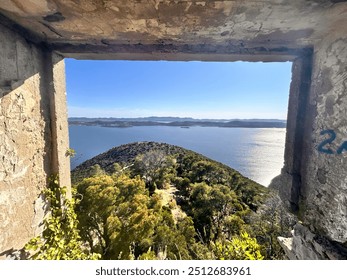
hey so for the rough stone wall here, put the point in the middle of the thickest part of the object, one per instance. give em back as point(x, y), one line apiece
point(324, 192)
point(320, 193)
point(305, 245)
point(27, 118)
point(59, 123)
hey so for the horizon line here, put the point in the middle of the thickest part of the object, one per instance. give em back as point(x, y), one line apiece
point(178, 118)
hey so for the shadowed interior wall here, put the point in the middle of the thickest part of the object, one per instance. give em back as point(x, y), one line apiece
point(32, 109)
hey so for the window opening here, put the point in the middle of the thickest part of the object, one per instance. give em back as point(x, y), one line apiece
point(197, 104)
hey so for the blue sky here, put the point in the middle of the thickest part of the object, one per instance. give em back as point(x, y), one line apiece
point(180, 89)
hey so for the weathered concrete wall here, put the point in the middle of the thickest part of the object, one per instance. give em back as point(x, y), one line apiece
point(314, 179)
point(32, 95)
point(59, 123)
point(324, 192)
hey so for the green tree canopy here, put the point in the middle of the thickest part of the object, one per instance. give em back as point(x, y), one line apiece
point(116, 215)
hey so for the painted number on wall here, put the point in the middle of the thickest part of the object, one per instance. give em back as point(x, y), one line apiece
point(323, 146)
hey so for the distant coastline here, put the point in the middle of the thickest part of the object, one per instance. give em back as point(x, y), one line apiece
point(177, 122)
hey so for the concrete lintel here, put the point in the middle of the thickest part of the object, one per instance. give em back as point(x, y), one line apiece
point(203, 52)
point(22, 31)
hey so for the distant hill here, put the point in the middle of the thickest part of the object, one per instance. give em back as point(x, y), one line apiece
point(180, 122)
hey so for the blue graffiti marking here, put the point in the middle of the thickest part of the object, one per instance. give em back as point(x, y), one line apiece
point(332, 137)
point(342, 147)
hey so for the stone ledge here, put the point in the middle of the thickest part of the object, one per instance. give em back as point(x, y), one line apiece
point(305, 245)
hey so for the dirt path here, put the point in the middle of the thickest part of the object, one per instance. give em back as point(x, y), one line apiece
point(167, 196)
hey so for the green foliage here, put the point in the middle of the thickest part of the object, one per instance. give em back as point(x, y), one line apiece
point(116, 214)
point(70, 152)
point(239, 248)
point(149, 255)
point(96, 170)
point(212, 209)
point(155, 167)
point(271, 221)
point(209, 172)
point(120, 220)
point(191, 168)
point(60, 239)
point(174, 238)
point(177, 206)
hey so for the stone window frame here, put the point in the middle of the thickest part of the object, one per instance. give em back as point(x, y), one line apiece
point(298, 116)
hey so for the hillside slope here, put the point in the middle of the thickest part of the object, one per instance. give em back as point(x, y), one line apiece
point(126, 155)
point(149, 200)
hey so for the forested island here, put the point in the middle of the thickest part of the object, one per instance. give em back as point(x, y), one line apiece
point(178, 122)
point(151, 200)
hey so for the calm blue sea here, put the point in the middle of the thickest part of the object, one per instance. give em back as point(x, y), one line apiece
point(255, 152)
